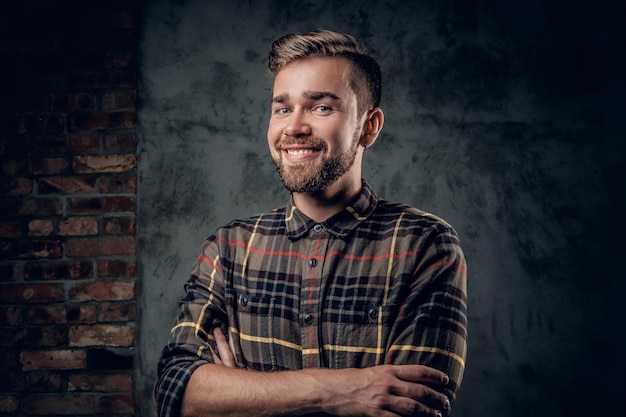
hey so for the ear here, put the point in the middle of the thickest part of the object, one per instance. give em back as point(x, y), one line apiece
point(373, 124)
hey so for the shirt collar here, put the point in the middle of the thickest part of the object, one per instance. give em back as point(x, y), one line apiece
point(341, 224)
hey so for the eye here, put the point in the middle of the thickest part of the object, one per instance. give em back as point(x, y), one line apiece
point(282, 110)
point(322, 109)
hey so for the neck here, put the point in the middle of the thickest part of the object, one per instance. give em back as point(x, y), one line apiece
point(325, 204)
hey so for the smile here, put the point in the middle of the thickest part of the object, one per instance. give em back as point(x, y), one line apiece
point(300, 151)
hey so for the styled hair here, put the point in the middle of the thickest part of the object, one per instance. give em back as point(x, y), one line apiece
point(365, 81)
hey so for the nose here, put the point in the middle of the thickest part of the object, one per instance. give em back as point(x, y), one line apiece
point(297, 125)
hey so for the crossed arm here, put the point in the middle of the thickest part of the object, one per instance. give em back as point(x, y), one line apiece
point(385, 390)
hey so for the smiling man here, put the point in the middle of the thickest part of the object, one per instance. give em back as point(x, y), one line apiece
point(339, 303)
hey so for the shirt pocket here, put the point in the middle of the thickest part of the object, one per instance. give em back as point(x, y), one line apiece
point(256, 331)
point(359, 335)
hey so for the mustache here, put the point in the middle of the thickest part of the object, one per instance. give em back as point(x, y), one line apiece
point(312, 142)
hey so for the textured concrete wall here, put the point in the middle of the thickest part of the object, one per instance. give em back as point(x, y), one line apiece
point(501, 117)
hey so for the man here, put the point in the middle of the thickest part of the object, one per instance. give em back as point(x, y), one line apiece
point(339, 303)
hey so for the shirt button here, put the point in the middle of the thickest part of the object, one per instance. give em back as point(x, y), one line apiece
point(243, 300)
point(308, 318)
point(318, 228)
point(372, 312)
point(312, 263)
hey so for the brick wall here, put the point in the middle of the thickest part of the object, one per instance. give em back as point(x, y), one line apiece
point(67, 207)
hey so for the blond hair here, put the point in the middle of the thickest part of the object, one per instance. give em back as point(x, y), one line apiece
point(365, 78)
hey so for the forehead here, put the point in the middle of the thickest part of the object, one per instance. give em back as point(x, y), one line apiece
point(330, 74)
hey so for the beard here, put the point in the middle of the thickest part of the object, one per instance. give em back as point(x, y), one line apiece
point(313, 177)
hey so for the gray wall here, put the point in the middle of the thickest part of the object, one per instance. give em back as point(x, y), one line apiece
point(504, 118)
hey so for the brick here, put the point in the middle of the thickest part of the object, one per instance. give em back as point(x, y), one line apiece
point(10, 228)
point(78, 226)
point(61, 314)
point(104, 359)
point(116, 404)
point(31, 293)
point(12, 382)
point(48, 336)
point(50, 144)
point(67, 185)
point(116, 312)
point(58, 270)
point(120, 141)
point(16, 166)
point(116, 268)
point(31, 249)
point(63, 143)
point(9, 271)
point(75, 101)
point(11, 316)
point(103, 80)
point(119, 183)
point(119, 225)
point(101, 335)
point(98, 205)
point(65, 405)
point(119, 59)
point(40, 206)
point(44, 382)
point(40, 227)
point(99, 246)
point(117, 100)
point(123, 120)
point(50, 166)
point(46, 314)
point(85, 164)
point(42, 123)
point(89, 121)
point(53, 359)
point(102, 120)
point(98, 382)
point(9, 404)
point(83, 313)
point(8, 360)
point(83, 142)
point(103, 291)
point(16, 186)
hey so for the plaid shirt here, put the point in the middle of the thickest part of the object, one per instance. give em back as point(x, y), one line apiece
point(377, 283)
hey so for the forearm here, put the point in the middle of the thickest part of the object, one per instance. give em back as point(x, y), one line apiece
point(215, 390)
point(386, 390)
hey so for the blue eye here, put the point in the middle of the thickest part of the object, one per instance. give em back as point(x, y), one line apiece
point(282, 110)
point(323, 109)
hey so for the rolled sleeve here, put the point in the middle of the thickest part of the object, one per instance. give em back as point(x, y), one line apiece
point(201, 310)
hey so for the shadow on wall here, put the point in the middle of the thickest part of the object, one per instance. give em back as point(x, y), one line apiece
point(504, 119)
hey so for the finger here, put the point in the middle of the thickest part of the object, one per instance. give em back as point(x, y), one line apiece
point(231, 344)
point(421, 373)
point(427, 396)
point(223, 348)
point(216, 358)
point(407, 407)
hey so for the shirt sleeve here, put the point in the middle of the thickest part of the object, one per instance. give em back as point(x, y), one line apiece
point(201, 311)
point(431, 328)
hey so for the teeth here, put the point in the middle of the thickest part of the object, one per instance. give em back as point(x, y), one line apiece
point(299, 151)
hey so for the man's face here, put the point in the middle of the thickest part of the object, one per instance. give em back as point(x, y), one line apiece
point(314, 127)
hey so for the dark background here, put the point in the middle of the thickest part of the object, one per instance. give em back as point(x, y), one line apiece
point(504, 118)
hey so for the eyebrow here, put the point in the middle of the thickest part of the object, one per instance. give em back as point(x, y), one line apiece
point(311, 95)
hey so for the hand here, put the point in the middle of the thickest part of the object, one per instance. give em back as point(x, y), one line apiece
point(392, 390)
point(385, 390)
point(226, 350)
